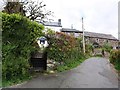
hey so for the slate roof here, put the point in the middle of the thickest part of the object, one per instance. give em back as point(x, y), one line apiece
point(90, 34)
point(54, 24)
point(99, 35)
point(70, 30)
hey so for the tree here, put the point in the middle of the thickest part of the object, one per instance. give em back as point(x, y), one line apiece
point(36, 11)
point(33, 10)
point(14, 7)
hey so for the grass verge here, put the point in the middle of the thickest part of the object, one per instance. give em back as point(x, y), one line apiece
point(69, 65)
point(117, 66)
point(15, 81)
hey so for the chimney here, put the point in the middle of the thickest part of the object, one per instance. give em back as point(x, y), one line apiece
point(59, 22)
point(71, 26)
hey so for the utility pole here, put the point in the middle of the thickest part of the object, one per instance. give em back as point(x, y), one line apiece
point(83, 36)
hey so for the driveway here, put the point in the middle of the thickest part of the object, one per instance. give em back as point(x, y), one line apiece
point(92, 73)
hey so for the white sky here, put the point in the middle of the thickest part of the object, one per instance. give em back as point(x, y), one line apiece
point(99, 15)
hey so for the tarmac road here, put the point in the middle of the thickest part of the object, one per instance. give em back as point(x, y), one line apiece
point(92, 73)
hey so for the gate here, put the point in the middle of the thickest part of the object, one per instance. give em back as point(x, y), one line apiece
point(38, 61)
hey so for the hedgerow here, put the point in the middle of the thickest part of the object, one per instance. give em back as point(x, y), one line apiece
point(65, 49)
point(18, 38)
point(115, 58)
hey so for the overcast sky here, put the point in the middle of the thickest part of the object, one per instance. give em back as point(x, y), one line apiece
point(99, 15)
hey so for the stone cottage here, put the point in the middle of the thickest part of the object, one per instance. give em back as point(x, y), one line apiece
point(98, 39)
point(93, 38)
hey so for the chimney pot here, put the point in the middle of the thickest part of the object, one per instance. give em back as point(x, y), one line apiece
point(59, 21)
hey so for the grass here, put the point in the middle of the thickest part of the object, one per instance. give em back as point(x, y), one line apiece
point(98, 55)
point(14, 82)
point(69, 65)
point(0, 74)
point(117, 66)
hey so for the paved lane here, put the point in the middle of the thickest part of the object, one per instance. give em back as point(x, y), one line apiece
point(92, 73)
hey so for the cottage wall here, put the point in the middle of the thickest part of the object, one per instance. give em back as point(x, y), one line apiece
point(57, 29)
point(100, 41)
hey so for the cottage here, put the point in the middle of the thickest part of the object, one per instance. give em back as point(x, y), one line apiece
point(93, 38)
point(98, 39)
point(56, 26)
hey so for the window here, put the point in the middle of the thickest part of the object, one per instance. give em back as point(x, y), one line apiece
point(97, 40)
point(107, 41)
point(95, 44)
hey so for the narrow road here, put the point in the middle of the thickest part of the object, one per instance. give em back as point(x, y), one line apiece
point(93, 73)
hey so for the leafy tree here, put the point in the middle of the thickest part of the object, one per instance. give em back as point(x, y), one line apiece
point(36, 11)
point(14, 7)
point(33, 10)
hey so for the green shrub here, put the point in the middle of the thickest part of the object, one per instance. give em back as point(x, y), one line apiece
point(107, 47)
point(89, 49)
point(98, 55)
point(115, 58)
point(18, 37)
point(65, 49)
point(62, 47)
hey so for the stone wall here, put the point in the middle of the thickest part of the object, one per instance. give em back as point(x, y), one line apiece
point(102, 41)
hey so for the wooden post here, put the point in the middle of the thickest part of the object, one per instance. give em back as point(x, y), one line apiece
point(83, 36)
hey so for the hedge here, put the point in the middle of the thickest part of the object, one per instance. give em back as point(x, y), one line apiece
point(65, 49)
point(115, 58)
point(18, 37)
